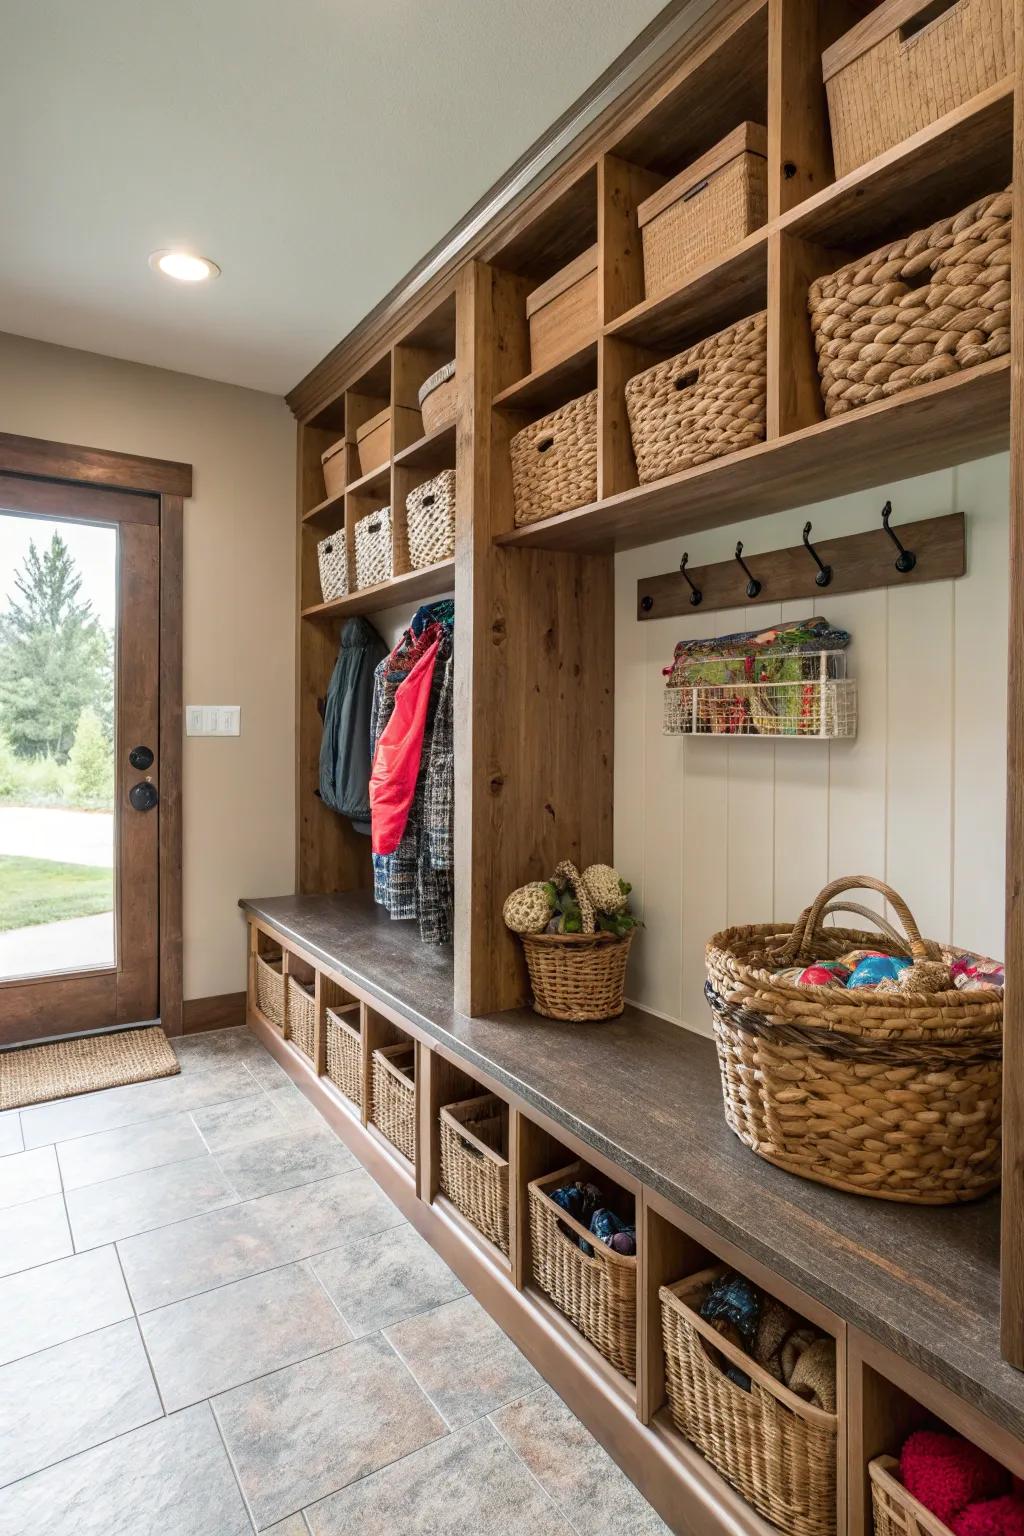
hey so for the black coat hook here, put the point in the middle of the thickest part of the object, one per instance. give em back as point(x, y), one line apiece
point(907, 559)
point(824, 575)
point(696, 595)
point(753, 585)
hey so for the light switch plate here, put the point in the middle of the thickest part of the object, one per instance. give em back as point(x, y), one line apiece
point(213, 719)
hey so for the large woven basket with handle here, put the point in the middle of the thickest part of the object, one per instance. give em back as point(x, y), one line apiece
point(883, 1093)
point(577, 976)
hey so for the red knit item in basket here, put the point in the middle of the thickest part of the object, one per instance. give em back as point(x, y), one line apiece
point(945, 1473)
point(992, 1517)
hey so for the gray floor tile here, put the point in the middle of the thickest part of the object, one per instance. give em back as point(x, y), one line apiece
point(10, 1133)
point(292, 1103)
point(171, 1478)
point(45, 1306)
point(107, 1111)
point(216, 1341)
point(578, 1473)
point(130, 1149)
point(33, 1234)
point(194, 1256)
point(295, 1525)
point(385, 1278)
point(304, 1432)
point(470, 1482)
point(462, 1360)
point(66, 1399)
point(283, 1162)
point(226, 1127)
point(138, 1202)
point(238, 1044)
point(28, 1176)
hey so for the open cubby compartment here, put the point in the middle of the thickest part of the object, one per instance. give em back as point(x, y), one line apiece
point(390, 1083)
point(428, 345)
point(470, 1152)
point(300, 1004)
point(266, 977)
point(531, 401)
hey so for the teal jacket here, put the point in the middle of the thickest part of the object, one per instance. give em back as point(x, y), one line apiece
point(345, 747)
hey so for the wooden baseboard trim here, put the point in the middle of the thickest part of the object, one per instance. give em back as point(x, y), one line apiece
point(221, 1012)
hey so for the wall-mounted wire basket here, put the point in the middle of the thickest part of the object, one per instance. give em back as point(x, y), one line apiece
point(795, 694)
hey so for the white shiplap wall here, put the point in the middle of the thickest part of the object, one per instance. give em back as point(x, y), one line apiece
point(716, 832)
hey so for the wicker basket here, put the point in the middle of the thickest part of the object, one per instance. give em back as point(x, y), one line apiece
point(300, 1014)
point(393, 1110)
point(474, 1163)
point(373, 548)
point(920, 309)
point(776, 1449)
point(577, 976)
point(345, 1051)
point(708, 401)
point(332, 557)
point(897, 1512)
point(430, 521)
point(439, 399)
point(713, 204)
point(270, 990)
point(890, 1094)
point(596, 1291)
point(900, 69)
point(554, 462)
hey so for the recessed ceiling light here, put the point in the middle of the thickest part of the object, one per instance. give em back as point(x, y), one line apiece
point(184, 267)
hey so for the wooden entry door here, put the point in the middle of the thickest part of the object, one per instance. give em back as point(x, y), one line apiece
point(122, 986)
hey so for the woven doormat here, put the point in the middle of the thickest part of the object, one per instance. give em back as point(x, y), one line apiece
point(36, 1073)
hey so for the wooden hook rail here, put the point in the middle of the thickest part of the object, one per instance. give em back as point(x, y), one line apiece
point(858, 562)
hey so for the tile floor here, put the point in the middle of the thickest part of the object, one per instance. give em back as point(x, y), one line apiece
point(213, 1322)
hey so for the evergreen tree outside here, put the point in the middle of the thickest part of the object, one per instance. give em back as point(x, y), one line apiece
point(90, 764)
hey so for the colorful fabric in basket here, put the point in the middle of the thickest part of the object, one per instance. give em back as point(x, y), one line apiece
point(795, 1353)
point(583, 1203)
point(752, 656)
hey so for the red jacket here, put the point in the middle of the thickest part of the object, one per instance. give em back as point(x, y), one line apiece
point(396, 763)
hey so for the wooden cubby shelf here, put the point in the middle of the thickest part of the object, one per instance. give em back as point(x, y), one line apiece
point(553, 386)
point(431, 581)
point(712, 297)
point(433, 452)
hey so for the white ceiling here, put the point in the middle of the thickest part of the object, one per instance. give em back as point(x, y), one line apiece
point(315, 149)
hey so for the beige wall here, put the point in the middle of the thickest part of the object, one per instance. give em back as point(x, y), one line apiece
point(239, 609)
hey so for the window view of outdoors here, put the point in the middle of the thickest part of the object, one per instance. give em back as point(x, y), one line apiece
point(58, 603)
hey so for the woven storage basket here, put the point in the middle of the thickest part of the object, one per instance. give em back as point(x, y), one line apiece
point(439, 399)
point(554, 462)
point(301, 1016)
point(596, 1291)
point(890, 1094)
point(332, 557)
point(896, 1512)
point(898, 70)
point(708, 401)
point(474, 1163)
point(373, 548)
point(345, 1052)
point(430, 521)
point(393, 1110)
point(270, 990)
point(776, 1449)
point(577, 976)
point(920, 309)
point(713, 204)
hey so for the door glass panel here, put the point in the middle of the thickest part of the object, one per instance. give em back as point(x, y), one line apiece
point(58, 616)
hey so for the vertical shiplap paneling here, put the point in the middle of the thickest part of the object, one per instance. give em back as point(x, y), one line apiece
point(751, 783)
point(857, 769)
point(657, 980)
point(801, 809)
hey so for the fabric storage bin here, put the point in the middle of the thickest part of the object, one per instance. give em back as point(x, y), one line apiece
point(596, 1291)
point(474, 1163)
point(430, 521)
point(905, 66)
point(300, 1016)
point(563, 312)
point(270, 990)
point(374, 562)
point(332, 558)
point(345, 1052)
point(776, 1449)
point(439, 399)
point(922, 308)
point(716, 202)
point(333, 461)
point(708, 401)
point(554, 462)
point(393, 1110)
point(893, 1093)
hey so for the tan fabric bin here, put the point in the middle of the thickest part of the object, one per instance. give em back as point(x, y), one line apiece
point(563, 312)
point(439, 399)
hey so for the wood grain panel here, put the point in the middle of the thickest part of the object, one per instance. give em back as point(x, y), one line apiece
point(93, 466)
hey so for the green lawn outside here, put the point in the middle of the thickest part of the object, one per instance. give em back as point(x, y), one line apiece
point(34, 891)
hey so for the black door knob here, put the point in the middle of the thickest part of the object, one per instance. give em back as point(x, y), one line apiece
point(143, 796)
point(141, 758)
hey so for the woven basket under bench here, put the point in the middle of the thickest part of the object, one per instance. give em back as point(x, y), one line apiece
point(270, 989)
point(896, 1512)
point(393, 1110)
point(596, 1291)
point(474, 1163)
point(300, 1016)
point(776, 1449)
point(345, 1051)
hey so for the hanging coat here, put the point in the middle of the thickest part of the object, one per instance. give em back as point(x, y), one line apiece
point(345, 745)
point(396, 763)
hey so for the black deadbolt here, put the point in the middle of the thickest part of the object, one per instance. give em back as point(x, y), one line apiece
point(143, 796)
point(141, 758)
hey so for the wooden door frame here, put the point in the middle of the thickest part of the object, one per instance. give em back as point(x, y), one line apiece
point(171, 482)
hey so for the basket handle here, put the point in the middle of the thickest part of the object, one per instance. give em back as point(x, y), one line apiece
point(882, 923)
point(807, 928)
point(687, 379)
point(701, 186)
point(544, 443)
point(568, 871)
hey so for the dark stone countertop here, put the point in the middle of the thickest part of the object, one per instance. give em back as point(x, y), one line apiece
point(922, 1280)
